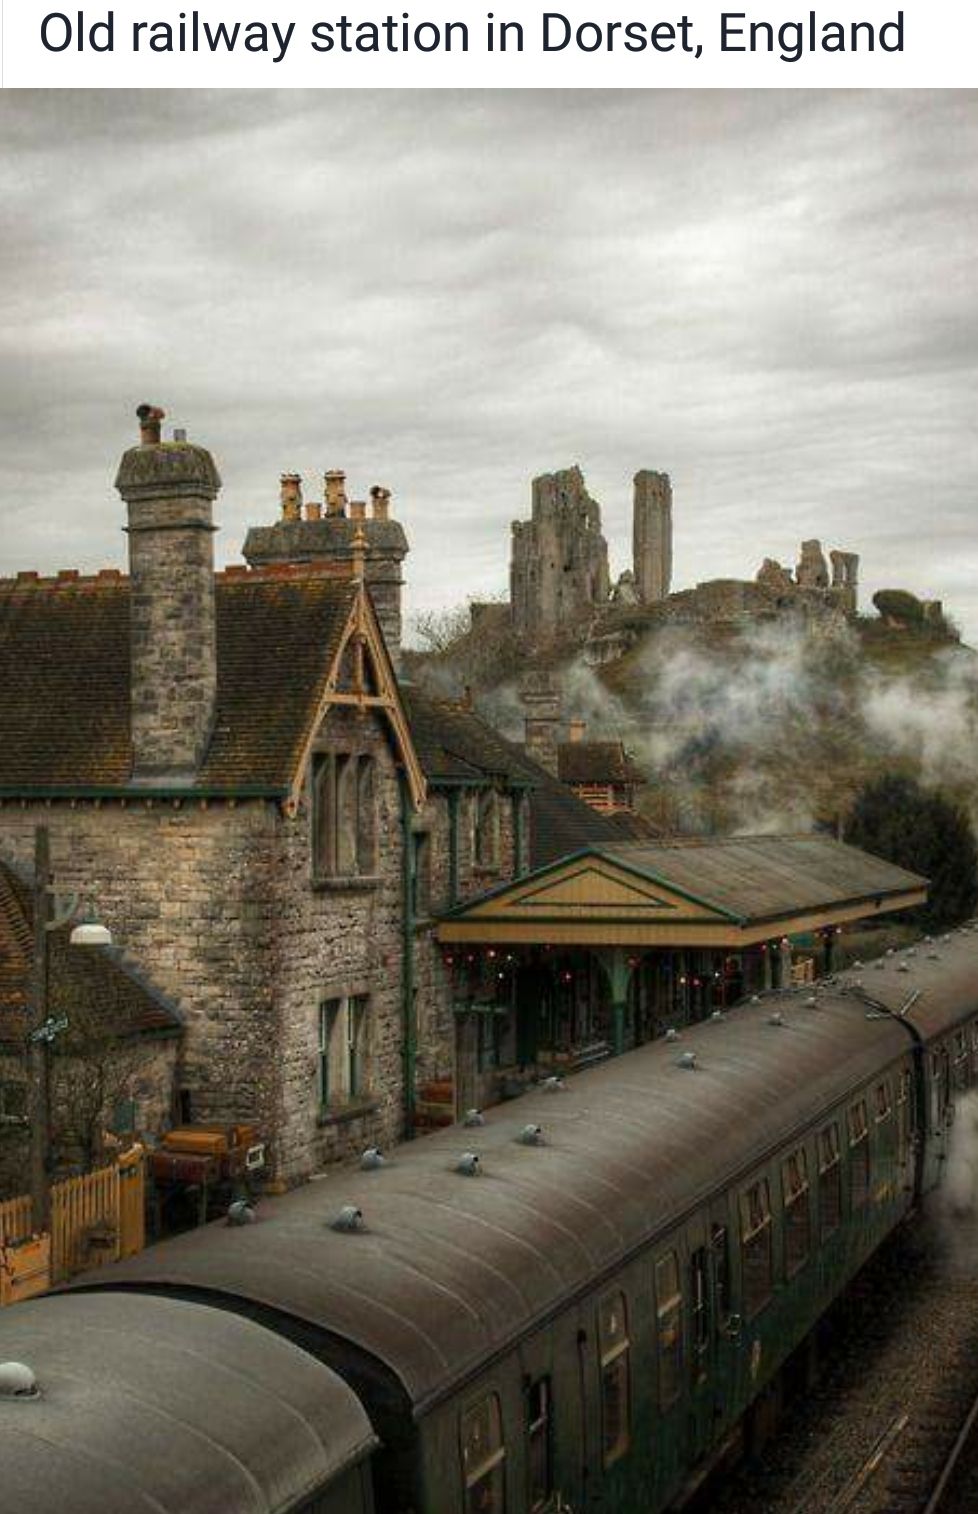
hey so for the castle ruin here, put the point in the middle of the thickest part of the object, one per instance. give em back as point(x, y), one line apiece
point(561, 585)
point(559, 572)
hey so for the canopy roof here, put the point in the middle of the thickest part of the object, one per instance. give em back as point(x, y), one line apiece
point(689, 892)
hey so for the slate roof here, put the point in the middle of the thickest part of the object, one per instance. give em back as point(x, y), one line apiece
point(456, 745)
point(105, 977)
point(761, 877)
point(64, 671)
point(596, 762)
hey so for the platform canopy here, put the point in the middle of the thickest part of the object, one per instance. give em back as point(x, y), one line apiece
point(687, 893)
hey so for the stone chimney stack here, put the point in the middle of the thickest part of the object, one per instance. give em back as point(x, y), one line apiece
point(169, 488)
point(576, 730)
point(335, 482)
point(541, 701)
point(291, 484)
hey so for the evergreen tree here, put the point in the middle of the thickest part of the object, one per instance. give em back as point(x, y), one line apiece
point(897, 818)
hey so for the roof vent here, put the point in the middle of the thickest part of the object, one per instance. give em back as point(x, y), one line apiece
point(688, 1061)
point(812, 1001)
point(903, 967)
point(474, 1117)
point(911, 951)
point(372, 1158)
point(349, 1218)
point(672, 1033)
point(776, 1019)
point(717, 1015)
point(241, 1213)
point(468, 1165)
point(879, 964)
point(554, 1084)
point(857, 963)
point(532, 1135)
point(934, 956)
point(755, 998)
point(17, 1381)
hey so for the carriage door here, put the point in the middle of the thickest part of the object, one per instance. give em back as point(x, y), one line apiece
point(713, 1330)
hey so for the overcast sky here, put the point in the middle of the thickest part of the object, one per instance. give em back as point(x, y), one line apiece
point(772, 296)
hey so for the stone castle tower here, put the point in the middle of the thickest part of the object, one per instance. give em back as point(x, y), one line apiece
point(652, 536)
point(169, 489)
point(317, 531)
point(559, 563)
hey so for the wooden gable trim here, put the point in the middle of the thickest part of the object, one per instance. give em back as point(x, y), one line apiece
point(363, 630)
point(510, 898)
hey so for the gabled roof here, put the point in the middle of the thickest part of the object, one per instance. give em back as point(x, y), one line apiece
point(689, 893)
point(125, 1000)
point(596, 762)
point(457, 746)
point(64, 671)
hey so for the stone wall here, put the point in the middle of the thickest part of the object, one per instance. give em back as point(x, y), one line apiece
point(652, 535)
point(333, 939)
point(559, 562)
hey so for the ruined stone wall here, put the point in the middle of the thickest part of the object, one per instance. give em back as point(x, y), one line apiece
point(559, 562)
point(652, 535)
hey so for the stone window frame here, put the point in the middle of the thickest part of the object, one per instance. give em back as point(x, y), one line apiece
point(343, 1055)
point(486, 831)
point(344, 818)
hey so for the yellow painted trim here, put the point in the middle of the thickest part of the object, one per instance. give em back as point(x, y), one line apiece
point(506, 929)
point(627, 896)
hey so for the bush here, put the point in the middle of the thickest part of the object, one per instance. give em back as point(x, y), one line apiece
point(899, 605)
point(916, 828)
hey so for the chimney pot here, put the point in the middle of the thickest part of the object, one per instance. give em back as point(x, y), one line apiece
point(179, 434)
point(335, 482)
point(358, 509)
point(313, 510)
point(291, 495)
point(150, 419)
point(576, 730)
point(381, 501)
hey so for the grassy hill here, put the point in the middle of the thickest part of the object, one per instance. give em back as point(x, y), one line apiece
point(756, 726)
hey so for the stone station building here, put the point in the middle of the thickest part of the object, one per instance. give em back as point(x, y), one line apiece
point(305, 856)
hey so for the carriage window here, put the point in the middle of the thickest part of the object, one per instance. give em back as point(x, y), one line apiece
point(613, 1345)
point(721, 1268)
point(539, 1412)
point(797, 1215)
point(756, 1243)
point(858, 1154)
point(669, 1316)
point(829, 1181)
point(882, 1102)
point(483, 1457)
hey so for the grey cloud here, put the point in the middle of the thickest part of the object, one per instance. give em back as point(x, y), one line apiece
point(770, 294)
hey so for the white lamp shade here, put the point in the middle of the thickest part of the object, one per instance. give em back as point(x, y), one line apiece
point(90, 933)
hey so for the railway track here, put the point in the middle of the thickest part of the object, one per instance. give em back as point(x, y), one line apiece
point(891, 1425)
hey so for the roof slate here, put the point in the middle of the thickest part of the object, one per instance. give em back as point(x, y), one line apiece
point(596, 762)
point(103, 975)
point(64, 670)
point(756, 877)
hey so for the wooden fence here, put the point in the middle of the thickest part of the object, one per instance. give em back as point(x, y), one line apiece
point(95, 1219)
point(15, 1220)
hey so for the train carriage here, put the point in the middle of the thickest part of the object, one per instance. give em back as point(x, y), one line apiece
point(583, 1317)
